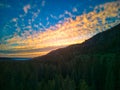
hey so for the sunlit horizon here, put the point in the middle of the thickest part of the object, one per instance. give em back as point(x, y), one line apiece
point(75, 28)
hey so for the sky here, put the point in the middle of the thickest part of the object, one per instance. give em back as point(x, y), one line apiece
point(31, 28)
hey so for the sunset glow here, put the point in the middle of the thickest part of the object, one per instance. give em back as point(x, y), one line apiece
point(71, 30)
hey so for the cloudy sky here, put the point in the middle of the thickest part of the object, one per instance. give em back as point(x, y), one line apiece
point(30, 28)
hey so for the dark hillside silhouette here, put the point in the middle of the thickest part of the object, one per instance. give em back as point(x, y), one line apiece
point(104, 42)
point(92, 65)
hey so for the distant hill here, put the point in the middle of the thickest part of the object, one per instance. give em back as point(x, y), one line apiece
point(104, 42)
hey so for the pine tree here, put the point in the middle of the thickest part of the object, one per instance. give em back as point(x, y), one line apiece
point(83, 85)
point(109, 84)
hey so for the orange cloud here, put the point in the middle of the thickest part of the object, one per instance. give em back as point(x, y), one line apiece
point(69, 32)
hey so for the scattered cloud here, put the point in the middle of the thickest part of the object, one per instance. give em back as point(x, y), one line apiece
point(43, 3)
point(26, 8)
point(14, 19)
point(52, 16)
point(67, 32)
point(36, 26)
point(74, 10)
point(42, 26)
point(61, 15)
point(35, 15)
point(18, 29)
point(69, 13)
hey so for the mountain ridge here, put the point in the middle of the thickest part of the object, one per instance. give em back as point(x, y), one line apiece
point(103, 42)
point(92, 65)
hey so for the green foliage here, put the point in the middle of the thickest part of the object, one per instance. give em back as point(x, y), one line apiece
point(83, 85)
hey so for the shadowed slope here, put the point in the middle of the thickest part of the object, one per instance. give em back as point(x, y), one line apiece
point(104, 42)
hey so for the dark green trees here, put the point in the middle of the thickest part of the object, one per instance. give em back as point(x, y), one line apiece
point(96, 72)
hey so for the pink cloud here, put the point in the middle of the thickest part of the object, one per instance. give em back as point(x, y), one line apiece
point(26, 8)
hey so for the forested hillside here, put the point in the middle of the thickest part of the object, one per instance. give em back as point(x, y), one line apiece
point(92, 65)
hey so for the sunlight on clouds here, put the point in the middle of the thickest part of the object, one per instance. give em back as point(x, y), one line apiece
point(25, 54)
point(70, 31)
